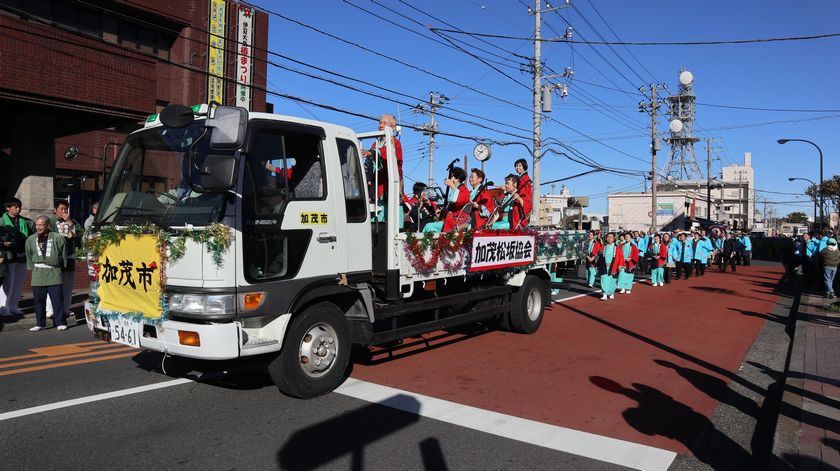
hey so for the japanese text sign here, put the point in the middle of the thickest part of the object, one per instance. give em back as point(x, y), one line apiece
point(492, 251)
point(129, 277)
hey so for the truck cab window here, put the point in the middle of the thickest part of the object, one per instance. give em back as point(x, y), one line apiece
point(351, 174)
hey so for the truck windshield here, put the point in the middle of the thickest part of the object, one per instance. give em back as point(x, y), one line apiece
point(157, 180)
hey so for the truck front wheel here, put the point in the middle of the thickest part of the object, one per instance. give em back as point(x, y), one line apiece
point(526, 307)
point(315, 353)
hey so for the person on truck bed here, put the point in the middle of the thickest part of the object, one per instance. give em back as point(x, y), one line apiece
point(608, 267)
point(454, 215)
point(481, 200)
point(420, 209)
point(376, 160)
point(509, 212)
point(526, 188)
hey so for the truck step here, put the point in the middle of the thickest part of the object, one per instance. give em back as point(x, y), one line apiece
point(254, 342)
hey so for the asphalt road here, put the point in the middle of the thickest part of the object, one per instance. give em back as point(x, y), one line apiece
point(68, 401)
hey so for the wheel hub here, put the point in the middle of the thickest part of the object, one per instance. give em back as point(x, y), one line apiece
point(318, 350)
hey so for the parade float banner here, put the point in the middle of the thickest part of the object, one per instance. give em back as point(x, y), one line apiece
point(216, 52)
point(130, 277)
point(493, 251)
point(244, 56)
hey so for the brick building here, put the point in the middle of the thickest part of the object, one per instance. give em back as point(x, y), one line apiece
point(83, 74)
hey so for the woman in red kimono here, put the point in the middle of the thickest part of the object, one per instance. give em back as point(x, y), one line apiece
point(482, 202)
point(526, 188)
point(453, 215)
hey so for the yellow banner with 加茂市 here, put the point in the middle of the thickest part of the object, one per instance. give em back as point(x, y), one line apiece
point(130, 277)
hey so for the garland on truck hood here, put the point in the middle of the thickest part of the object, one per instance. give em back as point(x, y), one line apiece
point(171, 247)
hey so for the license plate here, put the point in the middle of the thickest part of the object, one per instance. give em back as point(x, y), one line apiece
point(125, 331)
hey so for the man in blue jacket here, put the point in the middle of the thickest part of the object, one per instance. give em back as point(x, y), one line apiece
point(702, 250)
point(747, 253)
point(684, 256)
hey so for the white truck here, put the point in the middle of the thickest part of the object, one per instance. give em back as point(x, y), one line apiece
point(307, 273)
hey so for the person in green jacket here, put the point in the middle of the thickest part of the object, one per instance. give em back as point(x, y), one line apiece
point(45, 258)
point(20, 228)
point(62, 224)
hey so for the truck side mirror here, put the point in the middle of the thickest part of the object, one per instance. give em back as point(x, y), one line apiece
point(229, 126)
point(218, 173)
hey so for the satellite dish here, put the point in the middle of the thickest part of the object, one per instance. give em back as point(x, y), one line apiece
point(686, 77)
point(675, 126)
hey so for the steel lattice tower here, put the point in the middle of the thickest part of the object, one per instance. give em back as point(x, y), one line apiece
point(681, 164)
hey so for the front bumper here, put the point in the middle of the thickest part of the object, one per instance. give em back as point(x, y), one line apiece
point(218, 341)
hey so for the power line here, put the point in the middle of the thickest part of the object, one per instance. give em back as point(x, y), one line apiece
point(616, 37)
point(437, 41)
point(597, 33)
point(654, 43)
point(751, 108)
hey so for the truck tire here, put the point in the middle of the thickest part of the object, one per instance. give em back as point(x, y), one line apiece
point(526, 306)
point(315, 354)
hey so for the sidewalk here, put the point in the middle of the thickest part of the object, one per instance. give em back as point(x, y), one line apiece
point(26, 321)
point(808, 437)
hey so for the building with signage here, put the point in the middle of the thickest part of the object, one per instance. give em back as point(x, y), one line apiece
point(77, 77)
point(633, 212)
point(682, 203)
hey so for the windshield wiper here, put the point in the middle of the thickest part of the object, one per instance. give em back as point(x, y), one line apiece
point(117, 211)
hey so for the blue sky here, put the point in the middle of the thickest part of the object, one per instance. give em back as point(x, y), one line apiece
point(783, 75)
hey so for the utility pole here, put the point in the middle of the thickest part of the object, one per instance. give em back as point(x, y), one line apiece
point(436, 100)
point(709, 142)
point(654, 143)
point(537, 113)
point(538, 102)
point(709, 178)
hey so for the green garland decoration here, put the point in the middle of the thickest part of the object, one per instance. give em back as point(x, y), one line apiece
point(216, 238)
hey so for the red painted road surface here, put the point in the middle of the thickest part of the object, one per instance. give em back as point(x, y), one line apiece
point(645, 367)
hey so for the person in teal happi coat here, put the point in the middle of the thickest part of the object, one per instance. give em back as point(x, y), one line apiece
point(593, 250)
point(747, 254)
point(628, 259)
point(684, 253)
point(608, 267)
point(669, 261)
point(702, 250)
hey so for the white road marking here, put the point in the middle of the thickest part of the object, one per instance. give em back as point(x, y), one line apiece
point(610, 450)
point(95, 398)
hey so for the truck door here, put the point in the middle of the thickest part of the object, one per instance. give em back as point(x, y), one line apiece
point(290, 213)
point(354, 224)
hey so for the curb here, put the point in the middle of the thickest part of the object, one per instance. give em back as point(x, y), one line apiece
point(27, 320)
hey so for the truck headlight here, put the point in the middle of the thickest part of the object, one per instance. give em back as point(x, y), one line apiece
point(202, 303)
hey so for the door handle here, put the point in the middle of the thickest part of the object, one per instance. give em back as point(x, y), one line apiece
point(326, 237)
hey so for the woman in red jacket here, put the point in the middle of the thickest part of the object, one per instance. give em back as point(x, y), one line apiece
point(660, 259)
point(628, 258)
point(526, 188)
point(483, 204)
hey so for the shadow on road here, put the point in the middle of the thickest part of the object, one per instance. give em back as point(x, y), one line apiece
point(350, 433)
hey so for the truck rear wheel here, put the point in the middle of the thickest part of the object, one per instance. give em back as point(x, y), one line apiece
point(526, 307)
point(315, 353)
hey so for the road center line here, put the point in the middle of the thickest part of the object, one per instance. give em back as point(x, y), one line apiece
point(88, 399)
point(562, 439)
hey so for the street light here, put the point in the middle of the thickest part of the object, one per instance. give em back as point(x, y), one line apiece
point(815, 199)
point(819, 187)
